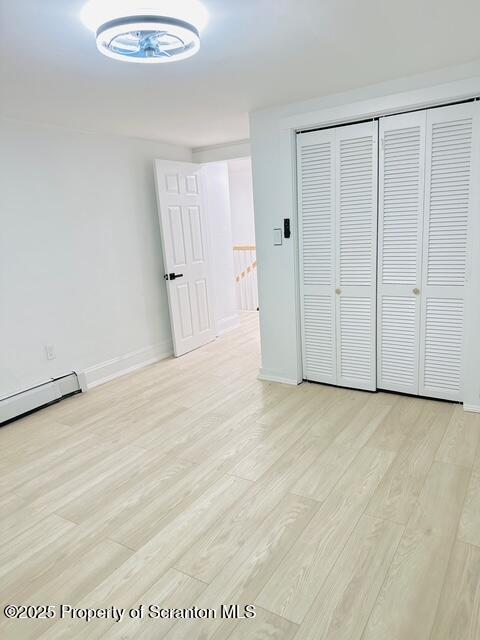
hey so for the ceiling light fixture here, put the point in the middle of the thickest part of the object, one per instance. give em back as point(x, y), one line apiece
point(147, 31)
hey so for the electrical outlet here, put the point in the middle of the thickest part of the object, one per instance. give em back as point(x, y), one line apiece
point(50, 351)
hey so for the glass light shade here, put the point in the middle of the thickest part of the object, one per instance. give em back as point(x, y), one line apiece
point(146, 31)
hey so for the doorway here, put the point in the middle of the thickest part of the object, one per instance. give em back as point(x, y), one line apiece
point(243, 233)
point(208, 237)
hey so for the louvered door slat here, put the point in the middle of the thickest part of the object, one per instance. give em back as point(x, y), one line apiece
point(316, 202)
point(398, 363)
point(401, 192)
point(319, 331)
point(445, 241)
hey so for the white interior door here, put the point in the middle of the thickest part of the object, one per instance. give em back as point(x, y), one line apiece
point(425, 184)
point(400, 230)
point(337, 192)
point(183, 227)
point(445, 243)
point(356, 254)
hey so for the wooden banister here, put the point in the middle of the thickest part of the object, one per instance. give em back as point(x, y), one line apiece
point(245, 247)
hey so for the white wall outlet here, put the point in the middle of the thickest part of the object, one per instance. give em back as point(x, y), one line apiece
point(50, 351)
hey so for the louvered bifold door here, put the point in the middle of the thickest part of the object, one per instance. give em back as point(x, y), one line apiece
point(316, 207)
point(400, 228)
point(445, 241)
point(356, 254)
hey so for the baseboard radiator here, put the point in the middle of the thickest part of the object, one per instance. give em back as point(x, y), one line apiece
point(26, 401)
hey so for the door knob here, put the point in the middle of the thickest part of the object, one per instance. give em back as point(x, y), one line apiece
point(416, 291)
point(338, 291)
point(172, 276)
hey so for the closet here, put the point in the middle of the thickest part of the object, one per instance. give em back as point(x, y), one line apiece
point(386, 310)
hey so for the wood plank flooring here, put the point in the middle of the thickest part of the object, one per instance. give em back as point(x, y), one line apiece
point(340, 514)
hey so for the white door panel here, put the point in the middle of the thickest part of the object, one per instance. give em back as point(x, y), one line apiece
point(316, 193)
point(183, 229)
point(445, 241)
point(356, 254)
point(401, 205)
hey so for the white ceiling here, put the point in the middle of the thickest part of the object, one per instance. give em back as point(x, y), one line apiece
point(255, 54)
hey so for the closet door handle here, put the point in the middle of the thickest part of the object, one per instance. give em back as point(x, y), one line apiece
point(338, 291)
point(416, 291)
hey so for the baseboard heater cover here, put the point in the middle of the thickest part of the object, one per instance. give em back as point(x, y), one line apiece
point(26, 401)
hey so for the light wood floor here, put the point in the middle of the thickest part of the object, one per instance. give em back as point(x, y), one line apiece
point(341, 514)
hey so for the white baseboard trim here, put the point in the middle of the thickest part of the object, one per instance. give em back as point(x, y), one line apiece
point(475, 408)
point(127, 363)
point(271, 377)
point(227, 324)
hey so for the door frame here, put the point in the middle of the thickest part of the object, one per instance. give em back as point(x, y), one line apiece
point(463, 91)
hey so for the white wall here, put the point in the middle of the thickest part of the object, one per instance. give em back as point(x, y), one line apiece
point(220, 152)
point(276, 266)
point(273, 156)
point(220, 231)
point(80, 259)
point(241, 201)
